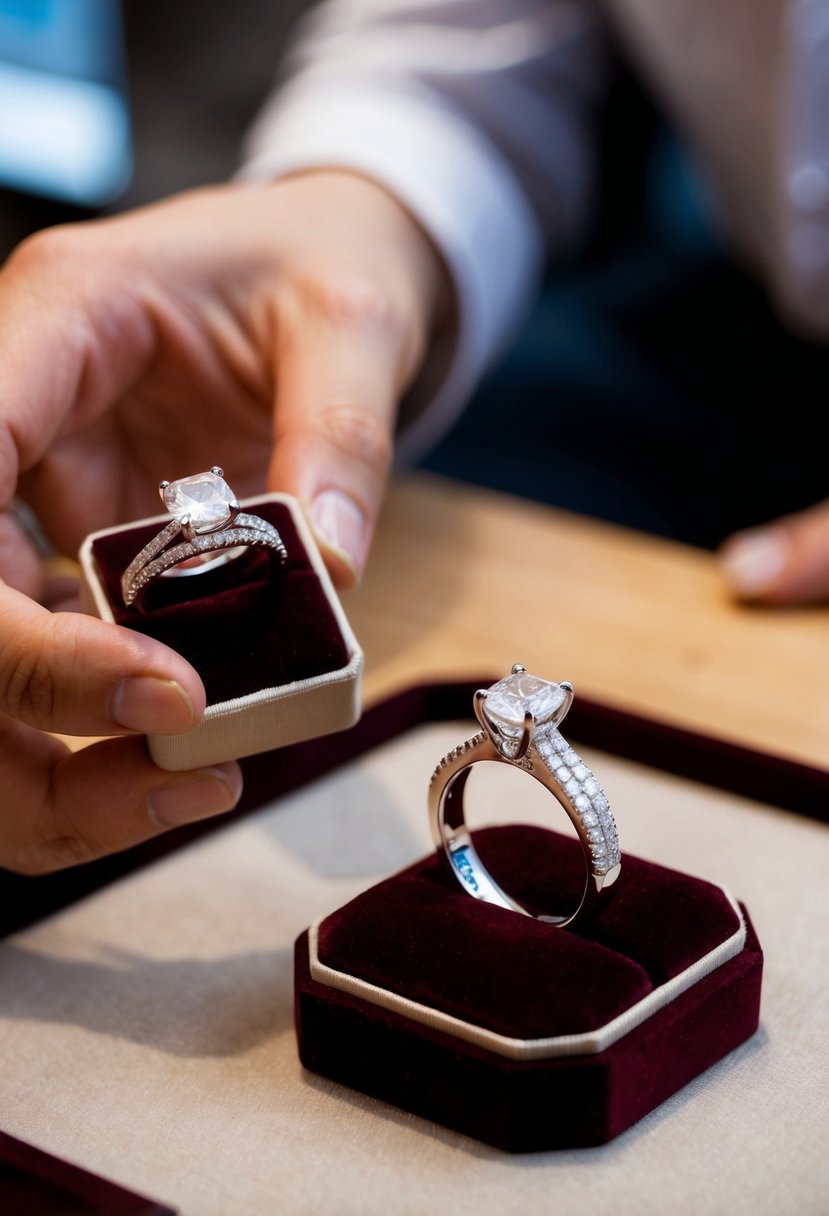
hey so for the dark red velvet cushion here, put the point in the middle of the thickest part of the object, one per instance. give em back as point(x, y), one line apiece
point(420, 935)
point(252, 623)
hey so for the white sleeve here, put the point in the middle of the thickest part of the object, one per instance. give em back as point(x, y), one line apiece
point(476, 114)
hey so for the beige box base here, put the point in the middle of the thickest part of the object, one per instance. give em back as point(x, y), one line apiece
point(272, 716)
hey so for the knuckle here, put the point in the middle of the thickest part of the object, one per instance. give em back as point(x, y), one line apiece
point(40, 251)
point(28, 690)
point(353, 301)
point(356, 432)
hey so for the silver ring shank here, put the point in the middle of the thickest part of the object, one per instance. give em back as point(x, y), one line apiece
point(156, 558)
point(551, 761)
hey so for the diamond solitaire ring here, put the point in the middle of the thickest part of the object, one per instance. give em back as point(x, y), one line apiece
point(520, 717)
point(207, 524)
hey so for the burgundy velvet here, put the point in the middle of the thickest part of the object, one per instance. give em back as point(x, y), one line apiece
point(249, 624)
point(527, 1106)
point(420, 935)
point(32, 1181)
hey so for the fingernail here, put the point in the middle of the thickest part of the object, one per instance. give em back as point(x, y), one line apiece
point(341, 525)
point(147, 703)
point(210, 791)
point(753, 560)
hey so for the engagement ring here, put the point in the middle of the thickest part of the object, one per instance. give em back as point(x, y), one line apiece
point(520, 717)
point(207, 516)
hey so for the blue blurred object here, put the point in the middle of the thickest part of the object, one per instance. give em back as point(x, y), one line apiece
point(65, 129)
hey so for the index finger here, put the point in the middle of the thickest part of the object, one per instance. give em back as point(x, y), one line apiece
point(342, 361)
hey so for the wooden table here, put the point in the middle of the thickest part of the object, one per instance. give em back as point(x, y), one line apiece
point(465, 581)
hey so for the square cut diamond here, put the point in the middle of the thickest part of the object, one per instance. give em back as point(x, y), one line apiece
point(509, 700)
point(205, 499)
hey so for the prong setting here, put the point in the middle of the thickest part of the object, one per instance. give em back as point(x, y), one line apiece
point(562, 712)
point(478, 705)
point(526, 738)
point(511, 748)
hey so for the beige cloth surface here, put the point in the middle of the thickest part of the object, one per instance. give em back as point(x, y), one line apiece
point(147, 1034)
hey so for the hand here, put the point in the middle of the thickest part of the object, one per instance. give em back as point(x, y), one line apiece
point(784, 562)
point(271, 329)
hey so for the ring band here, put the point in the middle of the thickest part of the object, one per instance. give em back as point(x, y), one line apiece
point(207, 516)
point(520, 716)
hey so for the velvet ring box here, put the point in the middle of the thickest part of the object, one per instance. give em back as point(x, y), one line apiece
point(525, 1036)
point(271, 642)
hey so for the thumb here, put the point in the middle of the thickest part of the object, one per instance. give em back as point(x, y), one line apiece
point(784, 562)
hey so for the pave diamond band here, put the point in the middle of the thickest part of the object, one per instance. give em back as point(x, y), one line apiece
point(520, 717)
point(212, 528)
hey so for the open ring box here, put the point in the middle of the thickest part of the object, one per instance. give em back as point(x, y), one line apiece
point(271, 642)
point(519, 1034)
point(522, 1035)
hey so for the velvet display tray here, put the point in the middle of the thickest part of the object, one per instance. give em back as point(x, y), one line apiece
point(766, 779)
point(511, 1031)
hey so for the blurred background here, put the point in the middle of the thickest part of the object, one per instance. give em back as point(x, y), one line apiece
point(106, 104)
point(645, 388)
